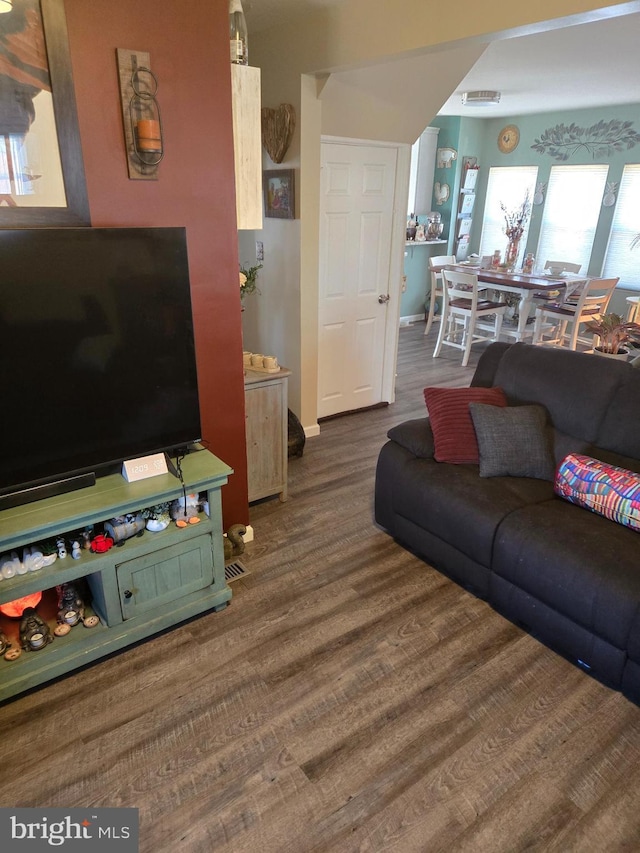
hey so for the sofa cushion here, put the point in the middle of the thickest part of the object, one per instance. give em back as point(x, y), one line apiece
point(605, 489)
point(453, 432)
point(453, 503)
point(615, 434)
point(578, 563)
point(488, 364)
point(583, 387)
point(513, 441)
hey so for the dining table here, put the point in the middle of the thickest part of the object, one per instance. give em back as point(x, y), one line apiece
point(528, 286)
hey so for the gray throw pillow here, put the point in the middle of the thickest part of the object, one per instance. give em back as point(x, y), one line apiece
point(513, 441)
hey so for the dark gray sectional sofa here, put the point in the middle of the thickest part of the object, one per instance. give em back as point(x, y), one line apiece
point(567, 575)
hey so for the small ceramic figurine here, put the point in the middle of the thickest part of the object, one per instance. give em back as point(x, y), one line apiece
point(233, 541)
point(85, 537)
point(185, 510)
point(124, 527)
point(32, 558)
point(70, 605)
point(4, 643)
point(34, 631)
point(101, 543)
point(158, 517)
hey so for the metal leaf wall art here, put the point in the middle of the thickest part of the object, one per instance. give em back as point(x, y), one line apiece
point(600, 140)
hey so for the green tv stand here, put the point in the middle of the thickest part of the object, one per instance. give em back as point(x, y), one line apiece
point(147, 584)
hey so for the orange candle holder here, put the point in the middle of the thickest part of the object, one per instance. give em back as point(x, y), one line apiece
point(149, 138)
point(144, 116)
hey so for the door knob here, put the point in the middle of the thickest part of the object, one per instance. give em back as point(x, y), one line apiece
point(127, 593)
point(384, 297)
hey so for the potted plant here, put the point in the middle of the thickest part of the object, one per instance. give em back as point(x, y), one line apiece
point(248, 280)
point(613, 333)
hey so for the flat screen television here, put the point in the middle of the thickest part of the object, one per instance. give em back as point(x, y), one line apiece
point(98, 359)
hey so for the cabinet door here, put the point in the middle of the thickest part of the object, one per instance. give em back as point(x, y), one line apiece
point(266, 440)
point(163, 576)
point(247, 144)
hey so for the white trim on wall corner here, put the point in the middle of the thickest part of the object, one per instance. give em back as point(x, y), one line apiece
point(410, 319)
point(312, 431)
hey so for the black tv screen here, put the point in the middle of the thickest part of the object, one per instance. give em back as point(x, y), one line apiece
point(98, 358)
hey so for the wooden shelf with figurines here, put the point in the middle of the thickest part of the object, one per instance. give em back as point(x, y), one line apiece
point(72, 598)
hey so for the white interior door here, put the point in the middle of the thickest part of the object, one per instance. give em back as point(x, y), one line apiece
point(356, 230)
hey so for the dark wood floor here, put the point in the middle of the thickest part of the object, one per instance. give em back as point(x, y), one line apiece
point(351, 698)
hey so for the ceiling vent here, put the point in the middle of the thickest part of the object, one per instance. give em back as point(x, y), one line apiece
point(481, 98)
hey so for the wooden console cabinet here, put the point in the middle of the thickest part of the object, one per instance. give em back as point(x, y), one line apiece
point(266, 415)
point(148, 584)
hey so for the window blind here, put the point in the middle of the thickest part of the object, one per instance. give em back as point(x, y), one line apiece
point(620, 259)
point(507, 185)
point(571, 211)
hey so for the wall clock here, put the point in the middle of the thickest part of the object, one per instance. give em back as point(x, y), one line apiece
point(508, 139)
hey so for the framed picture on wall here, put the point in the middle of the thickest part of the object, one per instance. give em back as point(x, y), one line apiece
point(279, 193)
point(466, 206)
point(42, 181)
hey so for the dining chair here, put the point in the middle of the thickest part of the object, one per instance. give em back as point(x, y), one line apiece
point(436, 285)
point(566, 266)
point(463, 310)
point(554, 318)
point(633, 309)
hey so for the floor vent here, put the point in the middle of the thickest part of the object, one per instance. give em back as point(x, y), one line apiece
point(234, 571)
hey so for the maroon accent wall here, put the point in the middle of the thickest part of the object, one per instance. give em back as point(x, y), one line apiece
point(189, 51)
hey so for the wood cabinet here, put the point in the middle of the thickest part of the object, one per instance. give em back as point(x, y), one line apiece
point(266, 416)
point(148, 584)
point(247, 145)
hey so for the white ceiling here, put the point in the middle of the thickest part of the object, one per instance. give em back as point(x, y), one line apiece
point(586, 65)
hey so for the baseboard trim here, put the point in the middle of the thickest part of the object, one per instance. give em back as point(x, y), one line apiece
point(312, 431)
point(410, 319)
point(382, 405)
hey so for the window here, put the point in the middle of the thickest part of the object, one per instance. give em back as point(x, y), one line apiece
point(507, 185)
point(571, 212)
point(621, 260)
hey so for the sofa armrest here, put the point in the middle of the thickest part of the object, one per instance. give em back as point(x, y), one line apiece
point(415, 436)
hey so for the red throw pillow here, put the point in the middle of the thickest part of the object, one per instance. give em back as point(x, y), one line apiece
point(454, 435)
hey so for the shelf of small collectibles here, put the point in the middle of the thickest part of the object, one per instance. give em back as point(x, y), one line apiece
point(33, 620)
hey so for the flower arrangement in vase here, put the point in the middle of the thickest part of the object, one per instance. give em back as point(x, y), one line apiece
point(515, 223)
point(248, 281)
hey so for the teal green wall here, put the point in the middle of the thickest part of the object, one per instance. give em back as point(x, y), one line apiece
point(416, 259)
point(478, 138)
point(532, 127)
point(416, 270)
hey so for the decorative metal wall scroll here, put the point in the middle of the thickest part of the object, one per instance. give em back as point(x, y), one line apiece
point(602, 139)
